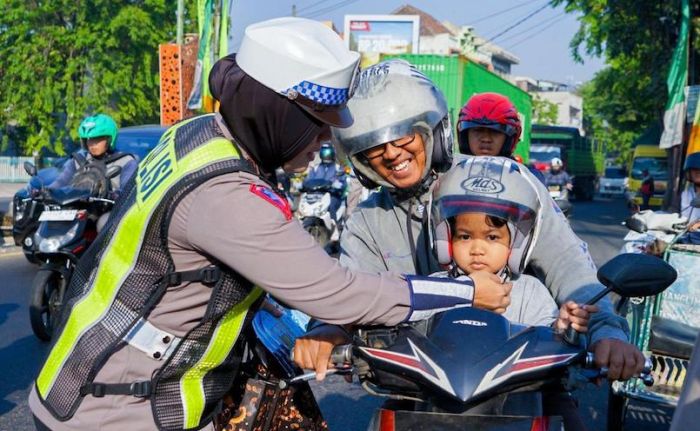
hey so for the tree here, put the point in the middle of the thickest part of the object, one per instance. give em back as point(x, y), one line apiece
point(64, 59)
point(544, 111)
point(636, 38)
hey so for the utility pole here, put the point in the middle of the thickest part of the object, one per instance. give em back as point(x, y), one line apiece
point(294, 10)
point(180, 25)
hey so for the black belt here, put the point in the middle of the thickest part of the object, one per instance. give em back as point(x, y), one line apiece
point(141, 389)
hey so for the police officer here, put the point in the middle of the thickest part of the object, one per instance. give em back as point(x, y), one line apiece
point(150, 336)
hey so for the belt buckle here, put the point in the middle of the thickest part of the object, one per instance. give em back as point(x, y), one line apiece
point(210, 275)
point(140, 389)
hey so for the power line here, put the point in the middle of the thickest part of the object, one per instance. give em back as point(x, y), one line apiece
point(330, 8)
point(522, 20)
point(484, 18)
point(536, 33)
point(311, 6)
point(539, 24)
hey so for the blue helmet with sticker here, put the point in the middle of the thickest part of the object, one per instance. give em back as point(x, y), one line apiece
point(494, 186)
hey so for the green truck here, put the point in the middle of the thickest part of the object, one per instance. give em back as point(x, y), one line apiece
point(459, 78)
point(583, 157)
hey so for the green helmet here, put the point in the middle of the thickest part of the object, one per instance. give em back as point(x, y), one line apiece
point(96, 126)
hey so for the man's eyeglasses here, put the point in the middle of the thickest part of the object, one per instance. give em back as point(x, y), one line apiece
point(379, 150)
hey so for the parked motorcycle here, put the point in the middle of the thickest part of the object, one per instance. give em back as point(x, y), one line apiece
point(315, 212)
point(663, 326)
point(67, 227)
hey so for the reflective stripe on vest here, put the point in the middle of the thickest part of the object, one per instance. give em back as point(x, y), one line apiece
point(156, 174)
point(225, 336)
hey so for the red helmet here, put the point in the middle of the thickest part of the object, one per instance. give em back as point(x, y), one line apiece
point(493, 111)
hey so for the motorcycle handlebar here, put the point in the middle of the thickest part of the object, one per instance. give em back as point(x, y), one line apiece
point(341, 354)
point(644, 375)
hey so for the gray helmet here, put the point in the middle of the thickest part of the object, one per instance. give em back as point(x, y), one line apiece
point(493, 186)
point(393, 99)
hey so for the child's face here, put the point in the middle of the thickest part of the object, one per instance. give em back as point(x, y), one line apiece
point(484, 141)
point(477, 246)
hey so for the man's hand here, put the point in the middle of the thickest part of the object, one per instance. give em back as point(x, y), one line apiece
point(576, 315)
point(313, 350)
point(622, 359)
point(490, 292)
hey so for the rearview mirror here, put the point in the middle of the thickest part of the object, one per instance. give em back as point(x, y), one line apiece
point(30, 168)
point(635, 275)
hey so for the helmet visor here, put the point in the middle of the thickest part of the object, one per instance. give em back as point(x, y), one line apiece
point(503, 128)
point(520, 216)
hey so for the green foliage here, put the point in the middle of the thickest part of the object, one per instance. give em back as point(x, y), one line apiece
point(636, 38)
point(64, 59)
point(544, 111)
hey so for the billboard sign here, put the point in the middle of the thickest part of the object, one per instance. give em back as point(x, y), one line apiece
point(373, 35)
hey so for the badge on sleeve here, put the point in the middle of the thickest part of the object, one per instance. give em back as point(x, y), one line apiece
point(269, 195)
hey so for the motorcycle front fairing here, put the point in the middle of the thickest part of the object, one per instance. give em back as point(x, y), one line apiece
point(469, 355)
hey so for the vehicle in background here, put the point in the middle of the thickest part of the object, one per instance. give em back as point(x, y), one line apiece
point(583, 158)
point(138, 140)
point(654, 159)
point(613, 182)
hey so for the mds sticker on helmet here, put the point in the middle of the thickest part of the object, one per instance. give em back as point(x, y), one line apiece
point(482, 185)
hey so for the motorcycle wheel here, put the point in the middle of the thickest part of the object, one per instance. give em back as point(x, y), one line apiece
point(319, 232)
point(45, 302)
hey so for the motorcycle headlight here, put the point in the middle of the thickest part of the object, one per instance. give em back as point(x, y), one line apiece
point(54, 243)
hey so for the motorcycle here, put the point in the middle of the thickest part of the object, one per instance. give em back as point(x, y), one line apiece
point(67, 227)
point(26, 210)
point(560, 194)
point(432, 378)
point(315, 215)
point(663, 326)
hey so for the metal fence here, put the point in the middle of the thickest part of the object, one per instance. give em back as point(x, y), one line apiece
point(12, 169)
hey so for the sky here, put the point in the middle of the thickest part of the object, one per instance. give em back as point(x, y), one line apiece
point(541, 41)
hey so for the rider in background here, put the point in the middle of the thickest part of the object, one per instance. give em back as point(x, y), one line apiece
point(557, 176)
point(692, 190)
point(98, 137)
point(330, 171)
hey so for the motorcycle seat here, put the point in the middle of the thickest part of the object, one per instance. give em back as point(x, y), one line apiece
point(672, 338)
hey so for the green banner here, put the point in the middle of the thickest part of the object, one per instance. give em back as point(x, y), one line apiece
point(674, 117)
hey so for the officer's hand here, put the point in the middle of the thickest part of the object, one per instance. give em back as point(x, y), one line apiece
point(313, 350)
point(490, 292)
point(622, 359)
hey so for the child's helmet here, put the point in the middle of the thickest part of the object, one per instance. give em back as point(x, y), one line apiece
point(556, 163)
point(493, 186)
point(97, 126)
point(394, 99)
point(494, 111)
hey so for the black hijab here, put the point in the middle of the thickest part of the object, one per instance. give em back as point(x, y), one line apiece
point(271, 128)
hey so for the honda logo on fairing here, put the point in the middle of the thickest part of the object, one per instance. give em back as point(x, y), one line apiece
point(418, 362)
point(482, 185)
point(471, 322)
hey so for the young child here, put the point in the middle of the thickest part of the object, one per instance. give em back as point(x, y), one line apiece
point(486, 219)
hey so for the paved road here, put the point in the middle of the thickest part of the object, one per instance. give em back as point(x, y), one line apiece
point(345, 406)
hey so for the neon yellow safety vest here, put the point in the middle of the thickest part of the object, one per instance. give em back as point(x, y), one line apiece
point(124, 275)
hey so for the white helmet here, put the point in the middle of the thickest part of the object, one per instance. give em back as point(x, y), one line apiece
point(556, 163)
point(493, 186)
point(305, 61)
point(394, 99)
